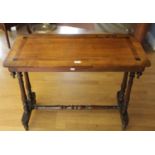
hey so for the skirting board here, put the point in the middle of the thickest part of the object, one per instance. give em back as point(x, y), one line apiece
point(151, 40)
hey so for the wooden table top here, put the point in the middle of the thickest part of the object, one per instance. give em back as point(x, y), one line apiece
point(84, 52)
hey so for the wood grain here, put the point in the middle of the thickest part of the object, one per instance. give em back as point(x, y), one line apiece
point(59, 53)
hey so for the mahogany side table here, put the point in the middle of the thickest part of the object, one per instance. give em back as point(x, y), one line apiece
point(76, 53)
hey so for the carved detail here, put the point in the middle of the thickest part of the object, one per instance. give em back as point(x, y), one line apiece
point(13, 74)
point(75, 107)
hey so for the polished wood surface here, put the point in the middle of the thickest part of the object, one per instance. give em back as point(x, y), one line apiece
point(85, 52)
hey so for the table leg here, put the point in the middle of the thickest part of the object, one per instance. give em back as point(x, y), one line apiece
point(120, 94)
point(27, 110)
point(125, 102)
point(31, 95)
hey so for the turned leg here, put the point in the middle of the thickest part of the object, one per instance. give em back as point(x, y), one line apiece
point(31, 95)
point(27, 111)
point(120, 94)
point(125, 102)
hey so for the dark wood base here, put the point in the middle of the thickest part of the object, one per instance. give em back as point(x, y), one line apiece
point(26, 116)
point(75, 107)
point(29, 100)
point(25, 120)
point(124, 117)
point(125, 120)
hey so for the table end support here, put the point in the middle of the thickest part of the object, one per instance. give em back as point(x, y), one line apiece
point(28, 103)
point(25, 120)
point(124, 119)
point(31, 95)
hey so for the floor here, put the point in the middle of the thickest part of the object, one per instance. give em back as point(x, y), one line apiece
point(76, 88)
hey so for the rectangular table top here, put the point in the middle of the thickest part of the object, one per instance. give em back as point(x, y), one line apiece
point(85, 52)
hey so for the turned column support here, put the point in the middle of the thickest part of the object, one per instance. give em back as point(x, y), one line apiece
point(28, 85)
point(128, 92)
point(23, 92)
point(120, 94)
point(31, 95)
point(27, 110)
